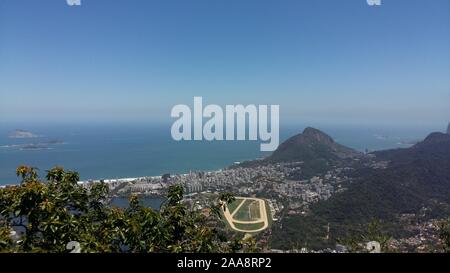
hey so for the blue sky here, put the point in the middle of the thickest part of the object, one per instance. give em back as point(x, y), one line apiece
point(131, 61)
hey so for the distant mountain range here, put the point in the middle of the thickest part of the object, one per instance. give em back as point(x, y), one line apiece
point(448, 128)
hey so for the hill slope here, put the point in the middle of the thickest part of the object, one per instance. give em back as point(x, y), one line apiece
point(312, 144)
point(416, 178)
point(316, 151)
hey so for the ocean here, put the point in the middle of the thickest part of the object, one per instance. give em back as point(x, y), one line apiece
point(121, 151)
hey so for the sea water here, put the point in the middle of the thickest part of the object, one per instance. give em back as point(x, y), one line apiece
point(104, 151)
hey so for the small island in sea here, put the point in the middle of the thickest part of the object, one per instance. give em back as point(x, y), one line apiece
point(22, 134)
point(34, 147)
point(43, 145)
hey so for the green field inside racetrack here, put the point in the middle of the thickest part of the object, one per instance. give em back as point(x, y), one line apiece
point(233, 205)
point(248, 211)
point(249, 227)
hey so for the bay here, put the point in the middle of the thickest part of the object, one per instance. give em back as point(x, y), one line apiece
point(103, 151)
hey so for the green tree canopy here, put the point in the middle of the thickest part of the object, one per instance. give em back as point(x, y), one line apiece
point(38, 216)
